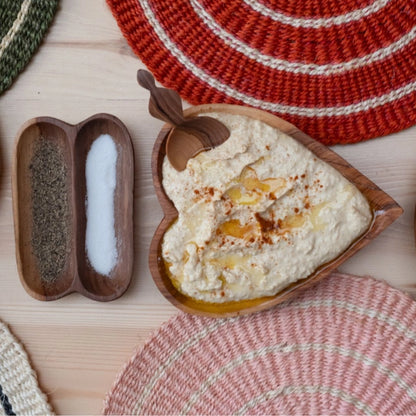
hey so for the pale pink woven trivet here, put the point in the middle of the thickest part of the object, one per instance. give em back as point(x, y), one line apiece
point(345, 346)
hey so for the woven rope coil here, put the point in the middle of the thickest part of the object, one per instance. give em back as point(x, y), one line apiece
point(19, 390)
point(346, 346)
point(23, 26)
point(340, 71)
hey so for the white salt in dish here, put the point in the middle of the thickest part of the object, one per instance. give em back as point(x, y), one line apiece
point(101, 180)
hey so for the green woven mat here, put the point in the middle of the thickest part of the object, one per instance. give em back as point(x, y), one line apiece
point(23, 23)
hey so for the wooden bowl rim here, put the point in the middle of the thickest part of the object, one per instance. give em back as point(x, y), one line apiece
point(384, 213)
point(71, 132)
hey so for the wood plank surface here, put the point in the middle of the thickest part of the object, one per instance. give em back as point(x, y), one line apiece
point(76, 345)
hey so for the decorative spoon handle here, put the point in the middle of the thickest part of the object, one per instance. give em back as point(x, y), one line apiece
point(164, 104)
point(189, 135)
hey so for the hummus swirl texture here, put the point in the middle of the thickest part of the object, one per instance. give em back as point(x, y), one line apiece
point(255, 214)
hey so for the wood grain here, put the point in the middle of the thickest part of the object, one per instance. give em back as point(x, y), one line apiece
point(78, 346)
point(384, 208)
point(74, 142)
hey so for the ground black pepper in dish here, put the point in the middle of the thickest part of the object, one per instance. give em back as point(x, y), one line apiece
point(50, 205)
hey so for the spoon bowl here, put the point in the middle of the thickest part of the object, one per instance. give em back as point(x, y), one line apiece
point(182, 146)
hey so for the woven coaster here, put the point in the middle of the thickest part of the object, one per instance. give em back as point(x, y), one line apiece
point(23, 24)
point(19, 390)
point(345, 346)
point(341, 71)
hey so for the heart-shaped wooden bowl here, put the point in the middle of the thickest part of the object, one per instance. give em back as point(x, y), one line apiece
point(75, 142)
point(385, 210)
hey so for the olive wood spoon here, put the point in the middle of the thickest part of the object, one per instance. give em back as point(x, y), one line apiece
point(189, 136)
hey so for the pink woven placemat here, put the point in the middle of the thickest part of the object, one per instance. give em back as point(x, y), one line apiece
point(345, 346)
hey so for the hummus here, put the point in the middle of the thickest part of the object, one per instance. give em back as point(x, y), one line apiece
point(255, 214)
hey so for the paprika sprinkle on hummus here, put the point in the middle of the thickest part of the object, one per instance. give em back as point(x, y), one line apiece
point(256, 214)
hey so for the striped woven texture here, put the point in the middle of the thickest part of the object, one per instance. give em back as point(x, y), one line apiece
point(341, 71)
point(345, 346)
point(19, 390)
point(23, 23)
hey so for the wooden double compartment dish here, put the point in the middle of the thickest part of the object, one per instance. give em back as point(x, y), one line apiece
point(74, 142)
point(384, 210)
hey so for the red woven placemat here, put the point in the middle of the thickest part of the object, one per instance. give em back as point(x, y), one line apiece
point(345, 346)
point(342, 71)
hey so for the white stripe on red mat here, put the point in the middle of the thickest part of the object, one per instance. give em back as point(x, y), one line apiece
point(368, 104)
point(299, 67)
point(317, 23)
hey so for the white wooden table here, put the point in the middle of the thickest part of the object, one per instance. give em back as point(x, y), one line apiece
point(76, 345)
